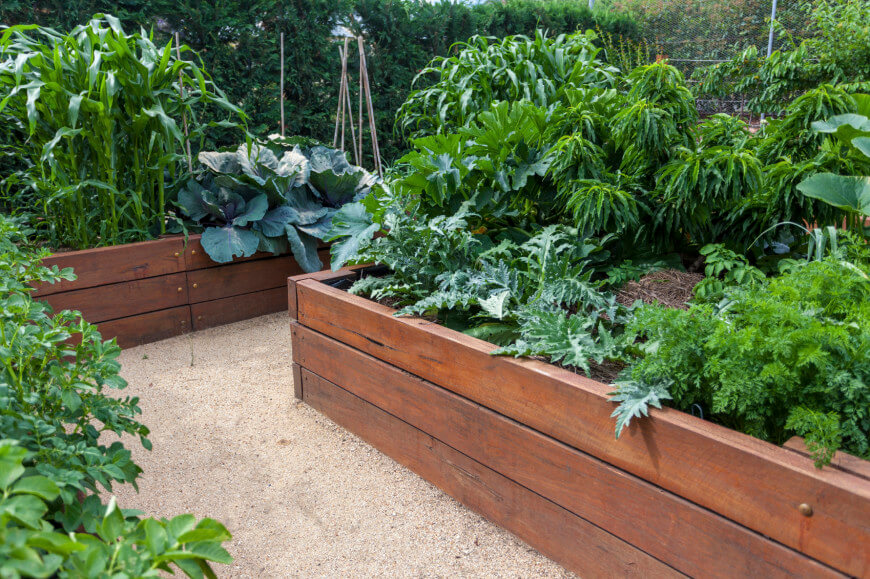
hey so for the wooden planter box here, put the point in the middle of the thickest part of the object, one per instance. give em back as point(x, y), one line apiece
point(148, 291)
point(531, 447)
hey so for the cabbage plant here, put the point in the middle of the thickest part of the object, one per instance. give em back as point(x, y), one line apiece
point(264, 197)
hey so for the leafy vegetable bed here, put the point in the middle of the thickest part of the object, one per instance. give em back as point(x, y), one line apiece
point(148, 291)
point(673, 491)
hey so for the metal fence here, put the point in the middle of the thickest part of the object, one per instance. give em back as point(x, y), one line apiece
point(699, 33)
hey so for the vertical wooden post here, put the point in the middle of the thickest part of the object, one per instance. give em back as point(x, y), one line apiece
point(282, 84)
point(360, 109)
point(343, 88)
point(371, 111)
point(183, 111)
point(356, 155)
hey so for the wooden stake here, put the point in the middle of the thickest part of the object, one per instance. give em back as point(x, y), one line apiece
point(282, 84)
point(343, 87)
point(338, 111)
point(371, 112)
point(183, 112)
point(356, 155)
point(360, 109)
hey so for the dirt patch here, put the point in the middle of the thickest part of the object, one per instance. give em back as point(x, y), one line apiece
point(669, 287)
point(301, 496)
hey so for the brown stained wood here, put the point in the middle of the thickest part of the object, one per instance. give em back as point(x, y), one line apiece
point(747, 480)
point(841, 460)
point(195, 256)
point(689, 538)
point(296, 372)
point(237, 308)
point(350, 273)
point(554, 531)
point(121, 300)
point(108, 265)
point(145, 328)
point(241, 278)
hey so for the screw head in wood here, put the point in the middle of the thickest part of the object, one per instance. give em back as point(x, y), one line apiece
point(192, 252)
point(198, 318)
point(180, 290)
point(805, 509)
point(195, 286)
point(177, 254)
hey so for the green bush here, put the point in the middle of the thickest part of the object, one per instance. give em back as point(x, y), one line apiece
point(784, 357)
point(238, 43)
point(54, 378)
point(98, 119)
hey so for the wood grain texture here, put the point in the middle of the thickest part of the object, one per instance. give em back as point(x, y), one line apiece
point(841, 460)
point(296, 371)
point(108, 265)
point(687, 537)
point(237, 308)
point(345, 273)
point(555, 532)
point(744, 479)
point(241, 278)
point(146, 328)
point(125, 299)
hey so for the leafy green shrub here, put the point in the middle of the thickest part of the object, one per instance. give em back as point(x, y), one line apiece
point(836, 51)
point(487, 70)
point(249, 199)
point(784, 357)
point(103, 125)
point(53, 381)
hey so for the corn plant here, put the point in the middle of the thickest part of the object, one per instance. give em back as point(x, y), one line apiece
point(103, 117)
point(488, 69)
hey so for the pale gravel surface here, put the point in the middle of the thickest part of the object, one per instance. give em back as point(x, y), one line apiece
point(302, 496)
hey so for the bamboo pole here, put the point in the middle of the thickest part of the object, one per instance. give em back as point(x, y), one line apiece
point(338, 110)
point(371, 112)
point(282, 84)
point(343, 88)
point(356, 154)
point(360, 108)
point(183, 111)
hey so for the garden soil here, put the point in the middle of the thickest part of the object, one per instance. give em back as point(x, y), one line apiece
point(301, 496)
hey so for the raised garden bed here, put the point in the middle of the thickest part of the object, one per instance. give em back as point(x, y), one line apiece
point(531, 447)
point(148, 291)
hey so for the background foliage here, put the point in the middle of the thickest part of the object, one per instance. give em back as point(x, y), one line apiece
point(238, 42)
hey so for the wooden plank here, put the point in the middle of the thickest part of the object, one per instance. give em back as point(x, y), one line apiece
point(241, 278)
point(195, 256)
point(747, 480)
point(689, 538)
point(555, 532)
point(345, 273)
point(121, 300)
point(145, 328)
point(107, 265)
point(237, 308)
point(841, 460)
point(296, 371)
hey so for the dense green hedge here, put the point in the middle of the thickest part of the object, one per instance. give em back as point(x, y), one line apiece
point(238, 40)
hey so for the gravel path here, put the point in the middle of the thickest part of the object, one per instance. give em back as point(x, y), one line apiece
point(302, 496)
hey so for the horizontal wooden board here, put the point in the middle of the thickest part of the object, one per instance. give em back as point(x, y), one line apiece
point(125, 299)
point(195, 256)
point(146, 328)
point(746, 480)
point(841, 460)
point(108, 265)
point(237, 308)
point(345, 273)
point(241, 278)
point(689, 538)
point(576, 543)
